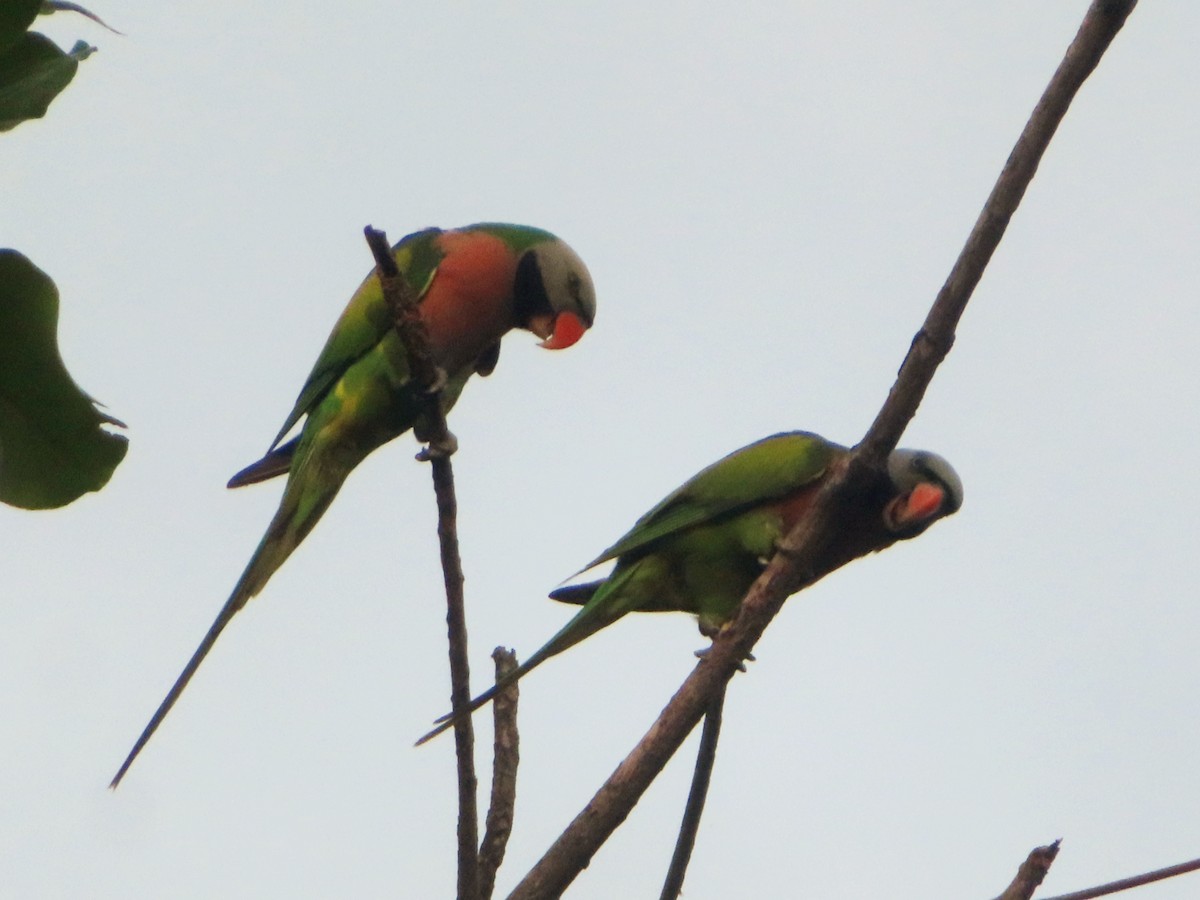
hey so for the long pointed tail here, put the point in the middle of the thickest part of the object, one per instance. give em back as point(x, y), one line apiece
point(448, 721)
point(232, 605)
point(298, 512)
point(276, 546)
point(599, 611)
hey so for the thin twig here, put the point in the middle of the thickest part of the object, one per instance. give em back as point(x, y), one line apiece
point(793, 568)
point(428, 380)
point(1031, 873)
point(706, 756)
point(1135, 881)
point(460, 679)
point(1100, 25)
point(505, 759)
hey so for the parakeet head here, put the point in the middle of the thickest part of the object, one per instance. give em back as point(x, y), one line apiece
point(554, 296)
point(927, 489)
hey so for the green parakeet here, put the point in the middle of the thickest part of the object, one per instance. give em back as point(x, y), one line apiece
point(474, 284)
point(701, 548)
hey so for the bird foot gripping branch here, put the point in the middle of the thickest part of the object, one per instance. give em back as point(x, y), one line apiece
point(440, 442)
point(440, 380)
point(438, 449)
point(781, 548)
point(702, 654)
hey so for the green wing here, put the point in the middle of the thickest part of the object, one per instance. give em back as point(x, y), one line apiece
point(765, 470)
point(364, 322)
point(519, 238)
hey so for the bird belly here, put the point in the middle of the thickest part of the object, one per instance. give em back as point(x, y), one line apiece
point(719, 562)
point(371, 403)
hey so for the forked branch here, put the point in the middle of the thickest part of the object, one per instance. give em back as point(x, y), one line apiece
point(793, 568)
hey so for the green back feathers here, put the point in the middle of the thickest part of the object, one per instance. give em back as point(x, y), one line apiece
point(365, 321)
point(766, 470)
point(518, 237)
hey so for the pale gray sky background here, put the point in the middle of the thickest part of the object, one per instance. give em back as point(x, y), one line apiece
point(768, 197)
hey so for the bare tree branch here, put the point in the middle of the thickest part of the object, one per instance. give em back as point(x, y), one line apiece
point(1031, 873)
point(1135, 881)
point(706, 757)
point(793, 566)
point(429, 379)
point(1100, 25)
point(506, 756)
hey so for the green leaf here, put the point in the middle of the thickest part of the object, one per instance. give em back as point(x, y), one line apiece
point(32, 73)
point(15, 18)
point(52, 448)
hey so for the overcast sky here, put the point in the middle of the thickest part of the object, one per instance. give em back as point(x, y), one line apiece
point(768, 197)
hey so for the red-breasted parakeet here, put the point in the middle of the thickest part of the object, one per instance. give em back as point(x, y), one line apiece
point(473, 284)
point(701, 548)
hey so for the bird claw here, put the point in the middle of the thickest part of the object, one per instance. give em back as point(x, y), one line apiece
point(796, 559)
point(703, 652)
point(440, 379)
point(783, 550)
point(439, 449)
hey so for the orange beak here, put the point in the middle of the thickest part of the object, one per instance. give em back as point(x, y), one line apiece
point(920, 505)
point(568, 329)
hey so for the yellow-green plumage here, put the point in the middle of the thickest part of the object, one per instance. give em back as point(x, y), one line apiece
point(701, 548)
point(473, 285)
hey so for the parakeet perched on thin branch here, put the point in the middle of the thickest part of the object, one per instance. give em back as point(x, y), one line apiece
point(701, 548)
point(474, 285)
